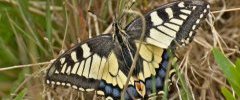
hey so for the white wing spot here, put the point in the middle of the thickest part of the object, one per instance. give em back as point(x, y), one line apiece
point(86, 50)
point(58, 83)
point(201, 16)
point(99, 92)
point(183, 16)
point(75, 87)
point(68, 84)
point(190, 34)
point(197, 21)
point(74, 56)
point(208, 6)
point(193, 27)
point(169, 12)
point(156, 43)
point(62, 60)
point(89, 90)
point(205, 10)
point(156, 20)
point(186, 11)
point(194, 7)
point(172, 26)
point(159, 36)
point(187, 41)
point(167, 31)
point(109, 98)
point(52, 82)
point(182, 40)
point(181, 4)
point(56, 71)
point(48, 82)
point(81, 89)
point(177, 21)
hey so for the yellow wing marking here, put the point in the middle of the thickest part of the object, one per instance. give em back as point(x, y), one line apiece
point(112, 61)
point(75, 67)
point(145, 53)
point(80, 69)
point(64, 68)
point(111, 73)
point(148, 51)
point(101, 69)
point(87, 67)
point(96, 62)
point(146, 69)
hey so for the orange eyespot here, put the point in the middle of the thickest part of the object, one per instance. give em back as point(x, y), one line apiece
point(140, 87)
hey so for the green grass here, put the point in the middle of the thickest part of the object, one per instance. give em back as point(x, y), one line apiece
point(231, 72)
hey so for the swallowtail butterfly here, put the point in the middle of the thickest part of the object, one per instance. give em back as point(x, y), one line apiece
point(102, 63)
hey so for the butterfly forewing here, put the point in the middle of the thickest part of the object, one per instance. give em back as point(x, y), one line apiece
point(82, 65)
point(175, 21)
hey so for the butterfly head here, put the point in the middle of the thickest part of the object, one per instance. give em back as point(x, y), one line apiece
point(119, 34)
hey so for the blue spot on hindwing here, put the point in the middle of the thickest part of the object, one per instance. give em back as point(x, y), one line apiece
point(148, 86)
point(116, 92)
point(159, 82)
point(162, 73)
point(131, 92)
point(108, 90)
point(102, 85)
point(164, 64)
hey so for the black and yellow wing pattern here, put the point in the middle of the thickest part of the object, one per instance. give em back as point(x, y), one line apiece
point(102, 63)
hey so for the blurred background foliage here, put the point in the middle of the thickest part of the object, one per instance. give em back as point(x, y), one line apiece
point(33, 31)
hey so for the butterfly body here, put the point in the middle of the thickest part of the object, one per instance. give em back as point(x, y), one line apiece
point(102, 63)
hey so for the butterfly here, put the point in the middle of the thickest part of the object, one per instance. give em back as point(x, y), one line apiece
point(102, 63)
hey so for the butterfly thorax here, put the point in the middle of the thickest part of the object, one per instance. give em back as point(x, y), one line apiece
point(125, 50)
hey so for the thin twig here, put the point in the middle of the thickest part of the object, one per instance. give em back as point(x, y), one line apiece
point(227, 10)
point(95, 22)
point(89, 20)
point(66, 29)
point(22, 66)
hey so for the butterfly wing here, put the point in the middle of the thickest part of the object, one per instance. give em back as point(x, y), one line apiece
point(82, 66)
point(175, 21)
